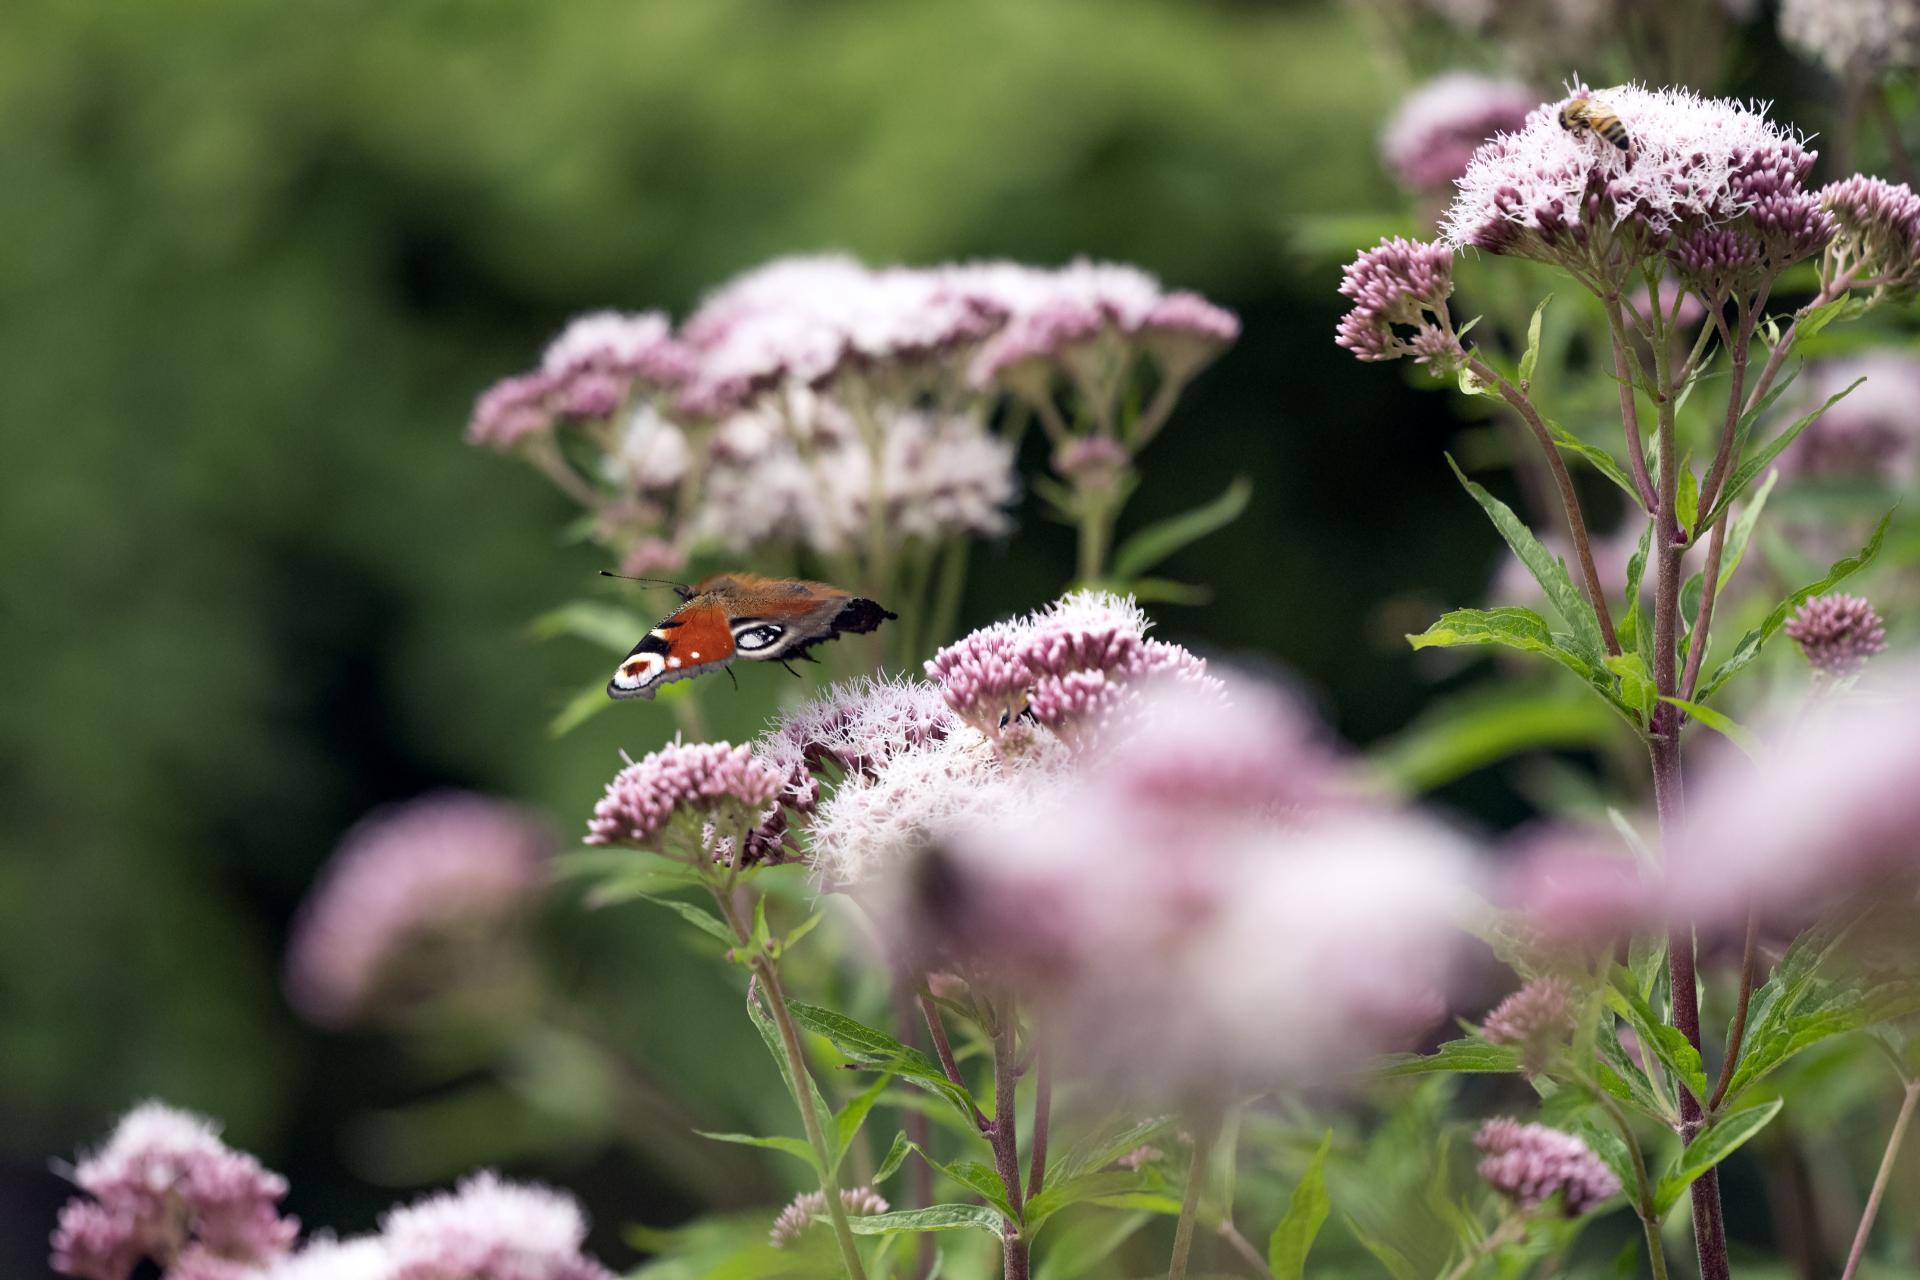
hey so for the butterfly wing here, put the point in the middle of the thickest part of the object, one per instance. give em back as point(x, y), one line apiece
point(694, 640)
point(780, 624)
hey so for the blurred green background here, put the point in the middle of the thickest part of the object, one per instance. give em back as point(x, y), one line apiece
point(257, 259)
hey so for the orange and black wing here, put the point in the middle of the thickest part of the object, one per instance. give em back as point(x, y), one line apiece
point(695, 639)
point(776, 624)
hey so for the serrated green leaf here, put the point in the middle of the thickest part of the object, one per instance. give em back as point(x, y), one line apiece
point(1101, 1184)
point(1686, 503)
point(1741, 530)
point(847, 1124)
point(1511, 627)
point(1750, 644)
point(1163, 538)
point(896, 1156)
point(1307, 1208)
point(1573, 607)
point(1637, 689)
point(1102, 1145)
point(1531, 357)
point(939, 1217)
point(1668, 1045)
point(1466, 1056)
point(871, 1047)
point(1715, 1143)
point(803, 1087)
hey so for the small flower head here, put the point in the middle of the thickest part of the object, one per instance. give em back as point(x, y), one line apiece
point(1837, 634)
point(490, 1229)
point(798, 1217)
point(670, 799)
point(1536, 1017)
point(1878, 239)
point(1530, 1164)
point(362, 1258)
point(1399, 290)
point(1872, 432)
point(512, 410)
point(1854, 39)
point(984, 676)
point(853, 728)
point(166, 1190)
point(438, 868)
point(1437, 128)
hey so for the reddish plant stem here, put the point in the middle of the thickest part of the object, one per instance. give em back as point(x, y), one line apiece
point(1703, 620)
point(1881, 1179)
point(1006, 1136)
point(1629, 410)
point(1738, 1031)
point(944, 1049)
point(1569, 499)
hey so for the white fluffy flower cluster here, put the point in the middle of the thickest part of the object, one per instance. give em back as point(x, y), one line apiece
point(1854, 38)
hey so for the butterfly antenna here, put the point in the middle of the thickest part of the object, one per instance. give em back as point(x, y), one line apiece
point(732, 677)
point(790, 671)
point(680, 589)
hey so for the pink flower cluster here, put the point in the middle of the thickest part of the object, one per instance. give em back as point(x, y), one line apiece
point(1854, 39)
point(1878, 240)
point(598, 363)
point(489, 1229)
point(1067, 667)
point(1837, 633)
point(437, 867)
point(1695, 165)
point(1399, 291)
point(1530, 1164)
point(703, 785)
point(1438, 127)
point(165, 1190)
point(814, 397)
point(797, 1217)
point(1535, 1017)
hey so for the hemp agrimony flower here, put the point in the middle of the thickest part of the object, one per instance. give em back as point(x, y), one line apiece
point(1877, 242)
point(1837, 634)
point(798, 1217)
point(1530, 1164)
point(684, 798)
point(1854, 39)
point(1535, 1017)
point(1399, 291)
point(1436, 128)
point(490, 1229)
point(166, 1191)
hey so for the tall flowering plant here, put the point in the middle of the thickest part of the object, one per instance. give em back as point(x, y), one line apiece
point(1709, 207)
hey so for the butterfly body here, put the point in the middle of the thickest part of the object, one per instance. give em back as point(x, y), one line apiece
point(740, 615)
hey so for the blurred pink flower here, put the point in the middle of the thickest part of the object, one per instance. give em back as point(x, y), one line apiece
point(1837, 633)
point(511, 410)
point(1691, 310)
point(589, 371)
point(1530, 1164)
point(1576, 885)
point(444, 864)
point(699, 783)
point(490, 1229)
point(1829, 811)
point(797, 1217)
point(166, 1190)
point(1437, 127)
point(1536, 1017)
point(362, 1258)
point(1872, 431)
point(1854, 39)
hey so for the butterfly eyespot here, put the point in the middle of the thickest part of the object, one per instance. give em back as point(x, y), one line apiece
point(759, 636)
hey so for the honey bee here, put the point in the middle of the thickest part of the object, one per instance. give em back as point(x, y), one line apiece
point(1591, 115)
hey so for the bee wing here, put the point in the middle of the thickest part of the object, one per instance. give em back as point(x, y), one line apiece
point(694, 640)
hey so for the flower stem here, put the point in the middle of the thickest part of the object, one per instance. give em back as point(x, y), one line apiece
point(941, 1046)
point(1629, 411)
point(1738, 1032)
point(1505, 1234)
point(1042, 1115)
point(1096, 535)
point(797, 1074)
point(1204, 1134)
point(1881, 1179)
point(1006, 1135)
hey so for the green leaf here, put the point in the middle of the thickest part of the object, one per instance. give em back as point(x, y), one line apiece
point(1573, 607)
point(1744, 474)
point(1389, 1257)
point(701, 919)
point(1667, 1044)
point(607, 625)
point(847, 1124)
point(580, 708)
point(1167, 591)
point(1098, 1185)
point(939, 1217)
point(1087, 1243)
point(1467, 1056)
point(896, 1156)
point(1513, 628)
point(1163, 538)
point(1741, 530)
point(1744, 427)
point(1489, 723)
point(795, 1147)
point(1101, 1146)
point(1750, 644)
point(1715, 1143)
point(1531, 356)
point(871, 1047)
point(1637, 689)
point(1599, 458)
point(1686, 503)
point(1720, 723)
point(1308, 1207)
point(770, 1034)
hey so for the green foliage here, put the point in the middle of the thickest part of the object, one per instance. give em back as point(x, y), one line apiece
point(1472, 1056)
point(1713, 1144)
point(1147, 548)
point(1307, 1211)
